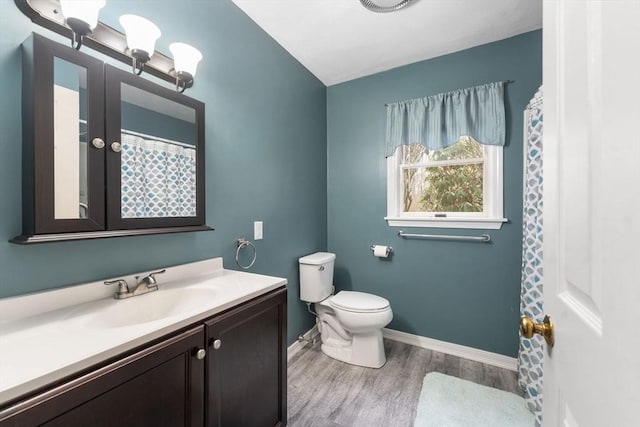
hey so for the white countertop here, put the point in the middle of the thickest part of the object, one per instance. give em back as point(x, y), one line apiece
point(50, 335)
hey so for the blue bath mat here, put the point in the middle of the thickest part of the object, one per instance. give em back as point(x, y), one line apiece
point(447, 401)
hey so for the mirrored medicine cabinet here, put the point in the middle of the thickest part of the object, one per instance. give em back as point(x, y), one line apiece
point(106, 153)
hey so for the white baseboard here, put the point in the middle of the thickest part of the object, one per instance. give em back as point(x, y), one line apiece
point(298, 345)
point(494, 359)
point(482, 356)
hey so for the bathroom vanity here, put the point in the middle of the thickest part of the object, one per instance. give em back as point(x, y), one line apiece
point(209, 348)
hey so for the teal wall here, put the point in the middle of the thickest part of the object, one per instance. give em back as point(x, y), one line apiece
point(265, 158)
point(270, 125)
point(464, 293)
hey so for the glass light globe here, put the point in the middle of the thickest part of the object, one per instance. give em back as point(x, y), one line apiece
point(82, 10)
point(185, 58)
point(141, 36)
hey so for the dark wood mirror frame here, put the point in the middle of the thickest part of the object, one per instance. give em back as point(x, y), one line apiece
point(39, 224)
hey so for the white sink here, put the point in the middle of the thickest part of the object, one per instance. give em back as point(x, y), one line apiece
point(161, 304)
point(86, 326)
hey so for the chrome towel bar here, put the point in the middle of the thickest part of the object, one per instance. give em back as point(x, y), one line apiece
point(485, 238)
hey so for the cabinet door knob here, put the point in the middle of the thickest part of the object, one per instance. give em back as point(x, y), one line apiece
point(201, 353)
point(97, 142)
point(216, 344)
point(116, 147)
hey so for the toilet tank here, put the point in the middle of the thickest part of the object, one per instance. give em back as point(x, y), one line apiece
point(316, 276)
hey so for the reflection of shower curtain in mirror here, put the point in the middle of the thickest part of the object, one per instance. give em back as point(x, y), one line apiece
point(531, 354)
point(158, 179)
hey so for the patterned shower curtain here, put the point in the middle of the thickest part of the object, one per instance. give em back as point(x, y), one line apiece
point(158, 179)
point(531, 354)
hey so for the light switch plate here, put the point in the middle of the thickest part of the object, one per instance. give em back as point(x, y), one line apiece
point(257, 230)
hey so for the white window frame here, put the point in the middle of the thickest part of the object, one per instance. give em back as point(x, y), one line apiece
point(491, 218)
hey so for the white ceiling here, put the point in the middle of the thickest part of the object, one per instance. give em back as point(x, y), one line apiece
point(340, 40)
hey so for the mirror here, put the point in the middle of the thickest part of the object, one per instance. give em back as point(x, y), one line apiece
point(158, 157)
point(106, 152)
point(70, 140)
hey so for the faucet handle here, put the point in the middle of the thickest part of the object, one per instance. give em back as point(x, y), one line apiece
point(150, 279)
point(123, 286)
point(156, 272)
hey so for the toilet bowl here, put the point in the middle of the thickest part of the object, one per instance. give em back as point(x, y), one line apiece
point(352, 333)
point(350, 323)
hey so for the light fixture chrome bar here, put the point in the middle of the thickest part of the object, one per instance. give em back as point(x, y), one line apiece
point(372, 6)
point(103, 39)
point(485, 238)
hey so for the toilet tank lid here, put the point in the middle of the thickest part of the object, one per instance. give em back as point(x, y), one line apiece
point(359, 301)
point(317, 258)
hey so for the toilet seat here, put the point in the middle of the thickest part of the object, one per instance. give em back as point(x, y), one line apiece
point(359, 302)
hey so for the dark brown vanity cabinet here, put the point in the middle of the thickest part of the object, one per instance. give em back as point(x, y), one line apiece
point(246, 370)
point(162, 385)
point(105, 152)
point(228, 372)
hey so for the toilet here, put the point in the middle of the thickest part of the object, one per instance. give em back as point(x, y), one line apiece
point(350, 323)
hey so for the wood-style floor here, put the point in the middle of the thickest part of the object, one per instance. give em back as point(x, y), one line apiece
point(323, 392)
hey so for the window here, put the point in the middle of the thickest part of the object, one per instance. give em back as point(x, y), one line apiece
point(455, 187)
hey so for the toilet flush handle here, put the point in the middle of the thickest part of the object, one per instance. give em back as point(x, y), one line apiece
point(321, 268)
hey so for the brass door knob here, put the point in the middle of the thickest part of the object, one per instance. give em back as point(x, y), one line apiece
point(528, 327)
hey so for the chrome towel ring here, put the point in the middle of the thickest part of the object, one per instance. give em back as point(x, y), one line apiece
point(241, 243)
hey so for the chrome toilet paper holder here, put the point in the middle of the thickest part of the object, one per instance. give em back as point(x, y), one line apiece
point(389, 249)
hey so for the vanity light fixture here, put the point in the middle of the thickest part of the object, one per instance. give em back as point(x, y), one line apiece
point(79, 20)
point(141, 39)
point(185, 58)
point(82, 17)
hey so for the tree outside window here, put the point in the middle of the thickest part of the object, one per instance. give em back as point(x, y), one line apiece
point(444, 180)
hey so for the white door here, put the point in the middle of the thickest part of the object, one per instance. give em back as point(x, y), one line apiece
point(592, 211)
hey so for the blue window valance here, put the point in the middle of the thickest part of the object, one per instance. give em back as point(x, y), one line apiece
point(439, 121)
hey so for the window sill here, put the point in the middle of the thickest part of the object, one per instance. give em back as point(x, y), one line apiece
point(476, 223)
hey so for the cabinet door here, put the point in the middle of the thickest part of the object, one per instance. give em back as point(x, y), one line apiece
point(63, 112)
point(246, 365)
point(155, 154)
point(162, 385)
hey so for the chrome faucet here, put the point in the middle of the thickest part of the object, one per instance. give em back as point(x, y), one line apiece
point(147, 284)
